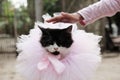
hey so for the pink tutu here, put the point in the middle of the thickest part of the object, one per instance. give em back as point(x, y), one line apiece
point(80, 64)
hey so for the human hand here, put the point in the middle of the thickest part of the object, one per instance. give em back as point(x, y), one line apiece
point(66, 18)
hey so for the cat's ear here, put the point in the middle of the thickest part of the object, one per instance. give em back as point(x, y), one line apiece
point(42, 29)
point(69, 29)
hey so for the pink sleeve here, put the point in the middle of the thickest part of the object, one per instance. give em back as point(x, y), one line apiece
point(100, 9)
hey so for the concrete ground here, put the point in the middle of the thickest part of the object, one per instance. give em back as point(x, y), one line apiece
point(108, 70)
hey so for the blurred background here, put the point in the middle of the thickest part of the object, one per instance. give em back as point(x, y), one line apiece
point(18, 16)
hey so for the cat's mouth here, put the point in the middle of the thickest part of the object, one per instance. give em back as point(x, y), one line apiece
point(55, 53)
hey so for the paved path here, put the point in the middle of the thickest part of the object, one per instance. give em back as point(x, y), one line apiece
point(7, 67)
point(108, 70)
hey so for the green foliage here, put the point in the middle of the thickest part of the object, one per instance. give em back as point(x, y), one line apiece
point(10, 15)
point(51, 2)
point(23, 20)
point(6, 17)
point(51, 6)
point(7, 9)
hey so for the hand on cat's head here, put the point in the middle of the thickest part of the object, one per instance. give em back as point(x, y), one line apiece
point(65, 17)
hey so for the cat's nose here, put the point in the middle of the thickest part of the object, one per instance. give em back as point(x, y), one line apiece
point(56, 49)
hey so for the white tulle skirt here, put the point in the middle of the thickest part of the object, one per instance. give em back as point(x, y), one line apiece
point(80, 64)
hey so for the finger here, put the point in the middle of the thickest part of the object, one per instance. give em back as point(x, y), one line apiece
point(58, 18)
point(54, 22)
point(51, 20)
point(64, 21)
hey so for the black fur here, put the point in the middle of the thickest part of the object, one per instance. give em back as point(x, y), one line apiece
point(62, 37)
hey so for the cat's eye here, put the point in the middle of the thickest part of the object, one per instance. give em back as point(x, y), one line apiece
point(46, 41)
point(65, 41)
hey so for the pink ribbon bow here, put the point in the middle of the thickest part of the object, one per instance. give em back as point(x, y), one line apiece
point(58, 65)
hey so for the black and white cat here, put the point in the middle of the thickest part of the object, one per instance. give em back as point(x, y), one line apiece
point(57, 52)
point(56, 41)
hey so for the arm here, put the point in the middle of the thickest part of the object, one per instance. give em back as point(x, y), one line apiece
point(100, 9)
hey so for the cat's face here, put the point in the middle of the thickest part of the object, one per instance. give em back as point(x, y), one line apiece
point(56, 41)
